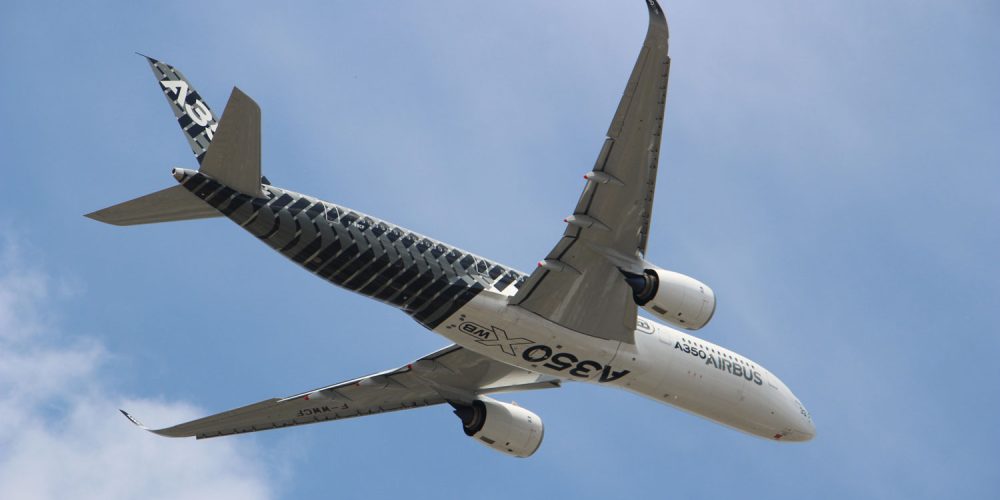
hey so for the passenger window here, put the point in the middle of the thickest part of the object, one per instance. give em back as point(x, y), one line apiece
point(482, 266)
point(333, 214)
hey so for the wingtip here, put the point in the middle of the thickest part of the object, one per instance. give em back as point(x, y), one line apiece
point(656, 13)
point(167, 432)
point(96, 215)
point(100, 216)
point(133, 420)
point(654, 7)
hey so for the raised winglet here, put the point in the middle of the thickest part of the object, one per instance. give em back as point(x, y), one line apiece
point(656, 15)
point(133, 420)
point(139, 424)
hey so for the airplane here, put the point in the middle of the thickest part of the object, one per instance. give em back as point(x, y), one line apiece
point(573, 318)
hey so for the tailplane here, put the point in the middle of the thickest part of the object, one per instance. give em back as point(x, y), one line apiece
point(171, 204)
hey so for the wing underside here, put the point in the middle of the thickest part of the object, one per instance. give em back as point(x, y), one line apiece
point(579, 285)
point(452, 374)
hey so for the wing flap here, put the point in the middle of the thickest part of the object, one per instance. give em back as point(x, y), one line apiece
point(275, 414)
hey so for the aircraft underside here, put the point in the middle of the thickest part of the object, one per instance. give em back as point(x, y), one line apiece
point(573, 318)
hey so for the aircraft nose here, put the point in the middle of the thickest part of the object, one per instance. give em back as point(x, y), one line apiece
point(792, 418)
point(810, 432)
point(790, 421)
point(804, 431)
point(800, 426)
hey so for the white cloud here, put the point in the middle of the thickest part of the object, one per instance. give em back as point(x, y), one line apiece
point(60, 432)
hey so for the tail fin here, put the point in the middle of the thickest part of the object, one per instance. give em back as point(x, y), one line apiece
point(193, 114)
point(233, 160)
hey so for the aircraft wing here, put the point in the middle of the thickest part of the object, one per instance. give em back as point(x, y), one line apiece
point(579, 285)
point(450, 374)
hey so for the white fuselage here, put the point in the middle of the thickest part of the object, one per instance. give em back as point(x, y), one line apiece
point(664, 364)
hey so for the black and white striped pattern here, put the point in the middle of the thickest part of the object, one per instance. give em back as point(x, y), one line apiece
point(427, 279)
point(199, 136)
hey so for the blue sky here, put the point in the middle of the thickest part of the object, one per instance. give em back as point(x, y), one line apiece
point(829, 168)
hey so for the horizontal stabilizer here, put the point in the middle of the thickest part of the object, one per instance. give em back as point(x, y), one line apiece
point(171, 204)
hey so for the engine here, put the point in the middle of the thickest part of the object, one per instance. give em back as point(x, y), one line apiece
point(504, 427)
point(678, 299)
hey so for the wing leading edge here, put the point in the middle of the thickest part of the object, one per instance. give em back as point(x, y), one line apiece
point(579, 285)
point(452, 374)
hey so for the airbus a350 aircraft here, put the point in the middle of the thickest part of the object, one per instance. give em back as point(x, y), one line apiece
point(574, 318)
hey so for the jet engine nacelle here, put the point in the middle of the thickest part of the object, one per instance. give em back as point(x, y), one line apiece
point(678, 299)
point(504, 427)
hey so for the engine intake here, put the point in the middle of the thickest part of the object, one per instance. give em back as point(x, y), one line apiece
point(678, 299)
point(502, 426)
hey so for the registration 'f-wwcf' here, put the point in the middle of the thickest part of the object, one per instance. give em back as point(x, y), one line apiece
point(574, 318)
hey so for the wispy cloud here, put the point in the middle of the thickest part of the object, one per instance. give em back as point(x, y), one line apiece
point(62, 435)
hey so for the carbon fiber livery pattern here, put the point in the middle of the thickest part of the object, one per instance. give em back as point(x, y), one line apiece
point(427, 279)
point(194, 116)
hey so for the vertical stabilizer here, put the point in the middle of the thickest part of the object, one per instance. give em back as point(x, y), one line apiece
point(192, 112)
